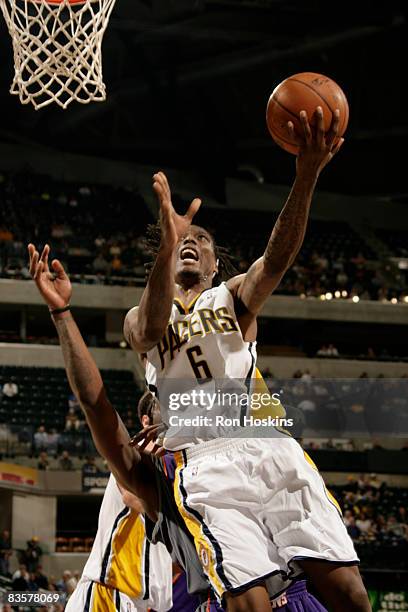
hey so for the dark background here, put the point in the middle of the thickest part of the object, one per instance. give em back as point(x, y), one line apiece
point(188, 82)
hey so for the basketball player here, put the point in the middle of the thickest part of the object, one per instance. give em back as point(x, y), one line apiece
point(265, 491)
point(124, 572)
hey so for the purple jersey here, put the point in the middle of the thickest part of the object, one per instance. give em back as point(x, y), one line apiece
point(184, 602)
point(297, 599)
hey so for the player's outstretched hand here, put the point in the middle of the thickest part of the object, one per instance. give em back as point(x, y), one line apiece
point(54, 285)
point(173, 226)
point(146, 435)
point(316, 147)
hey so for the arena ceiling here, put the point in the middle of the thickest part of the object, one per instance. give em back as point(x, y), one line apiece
point(188, 82)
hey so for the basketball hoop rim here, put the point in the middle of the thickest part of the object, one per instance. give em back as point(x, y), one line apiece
point(57, 2)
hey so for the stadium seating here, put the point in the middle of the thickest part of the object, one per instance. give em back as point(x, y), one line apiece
point(42, 399)
point(107, 248)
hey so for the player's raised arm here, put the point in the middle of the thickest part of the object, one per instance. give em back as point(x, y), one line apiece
point(316, 149)
point(108, 431)
point(145, 326)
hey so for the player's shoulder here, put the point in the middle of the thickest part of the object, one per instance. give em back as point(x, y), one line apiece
point(130, 319)
point(233, 284)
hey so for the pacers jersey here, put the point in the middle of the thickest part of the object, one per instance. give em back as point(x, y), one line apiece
point(201, 351)
point(123, 559)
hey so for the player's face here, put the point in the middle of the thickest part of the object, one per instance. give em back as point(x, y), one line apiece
point(195, 255)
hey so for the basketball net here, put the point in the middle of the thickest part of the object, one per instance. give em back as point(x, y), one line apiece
point(57, 49)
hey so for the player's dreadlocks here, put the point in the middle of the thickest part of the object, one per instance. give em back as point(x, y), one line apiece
point(226, 267)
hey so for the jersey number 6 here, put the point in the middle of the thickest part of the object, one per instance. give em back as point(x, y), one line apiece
point(200, 368)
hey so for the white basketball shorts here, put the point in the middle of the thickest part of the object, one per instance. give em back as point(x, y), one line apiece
point(255, 507)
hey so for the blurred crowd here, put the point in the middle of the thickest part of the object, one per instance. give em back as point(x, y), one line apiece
point(376, 517)
point(343, 407)
point(29, 575)
point(97, 232)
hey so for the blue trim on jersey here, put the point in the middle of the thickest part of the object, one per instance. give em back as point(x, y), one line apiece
point(88, 598)
point(117, 600)
point(248, 380)
point(147, 569)
point(217, 548)
point(106, 556)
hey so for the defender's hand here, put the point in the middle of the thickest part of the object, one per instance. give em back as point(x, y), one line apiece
point(173, 226)
point(316, 148)
point(54, 286)
point(148, 434)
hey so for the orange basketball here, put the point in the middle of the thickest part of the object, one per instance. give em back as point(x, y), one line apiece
point(304, 91)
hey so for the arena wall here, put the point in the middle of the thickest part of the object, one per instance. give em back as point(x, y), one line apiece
point(103, 297)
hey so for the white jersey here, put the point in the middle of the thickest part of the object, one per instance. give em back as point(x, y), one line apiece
point(123, 560)
point(201, 351)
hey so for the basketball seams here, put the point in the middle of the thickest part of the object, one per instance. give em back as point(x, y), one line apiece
point(314, 90)
point(284, 107)
point(298, 94)
point(344, 102)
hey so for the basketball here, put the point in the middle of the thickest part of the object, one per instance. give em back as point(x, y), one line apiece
point(304, 91)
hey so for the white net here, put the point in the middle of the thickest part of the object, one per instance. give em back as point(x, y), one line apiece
point(57, 49)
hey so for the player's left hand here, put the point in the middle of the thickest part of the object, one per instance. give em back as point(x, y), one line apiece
point(173, 225)
point(53, 284)
point(316, 147)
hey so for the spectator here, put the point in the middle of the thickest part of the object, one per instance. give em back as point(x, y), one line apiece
point(10, 389)
point(41, 439)
point(402, 515)
point(332, 351)
point(65, 461)
point(364, 523)
point(32, 554)
point(341, 279)
point(348, 517)
point(53, 440)
point(89, 467)
point(396, 529)
point(306, 376)
point(32, 585)
point(307, 405)
point(116, 265)
point(41, 579)
point(5, 553)
point(100, 265)
point(72, 422)
point(67, 583)
point(353, 530)
point(21, 578)
point(323, 351)
point(43, 462)
point(73, 402)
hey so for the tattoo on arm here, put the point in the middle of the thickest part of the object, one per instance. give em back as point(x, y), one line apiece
point(82, 372)
point(289, 230)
